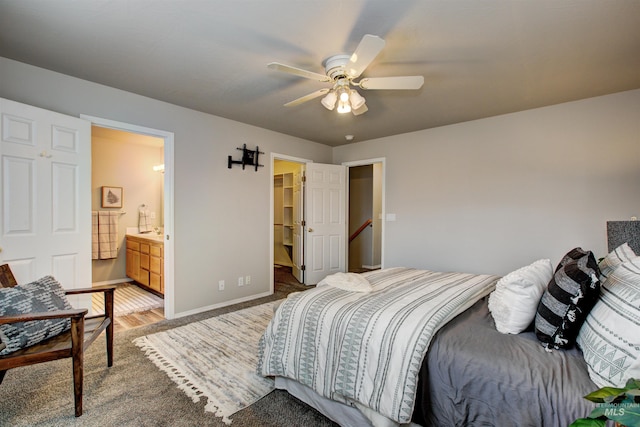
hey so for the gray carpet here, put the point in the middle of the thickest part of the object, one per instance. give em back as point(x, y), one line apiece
point(133, 392)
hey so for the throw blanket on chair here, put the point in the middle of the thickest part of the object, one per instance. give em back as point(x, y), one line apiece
point(367, 348)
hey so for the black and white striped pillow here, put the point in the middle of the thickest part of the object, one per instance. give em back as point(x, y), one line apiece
point(568, 299)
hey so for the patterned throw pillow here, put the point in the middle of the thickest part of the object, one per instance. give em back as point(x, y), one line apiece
point(570, 295)
point(610, 336)
point(43, 295)
point(616, 257)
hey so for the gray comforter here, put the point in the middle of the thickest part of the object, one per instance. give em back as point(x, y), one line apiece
point(475, 376)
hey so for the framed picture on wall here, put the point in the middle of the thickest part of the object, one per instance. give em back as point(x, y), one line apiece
point(111, 197)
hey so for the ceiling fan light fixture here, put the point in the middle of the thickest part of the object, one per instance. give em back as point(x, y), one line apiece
point(341, 70)
point(357, 100)
point(357, 111)
point(329, 101)
point(344, 107)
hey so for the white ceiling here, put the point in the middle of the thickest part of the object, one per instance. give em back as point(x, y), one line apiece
point(480, 58)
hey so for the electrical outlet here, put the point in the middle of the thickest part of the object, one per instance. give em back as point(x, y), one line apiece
point(240, 281)
point(221, 285)
point(247, 280)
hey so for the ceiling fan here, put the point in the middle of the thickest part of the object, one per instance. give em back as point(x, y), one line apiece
point(342, 70)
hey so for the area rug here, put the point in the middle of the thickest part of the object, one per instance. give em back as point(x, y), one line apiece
point(215, 359)
point(128, 299)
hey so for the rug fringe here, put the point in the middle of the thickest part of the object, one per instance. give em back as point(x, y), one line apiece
point(168, 368)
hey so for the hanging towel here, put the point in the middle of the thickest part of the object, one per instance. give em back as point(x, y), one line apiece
point(107, 234)
point(95, 245)
point(144, 223)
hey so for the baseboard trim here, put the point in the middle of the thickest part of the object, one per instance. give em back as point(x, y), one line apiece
point(112, 282)
point(222, 304)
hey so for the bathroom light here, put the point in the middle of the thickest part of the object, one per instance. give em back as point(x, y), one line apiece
point(158, 168)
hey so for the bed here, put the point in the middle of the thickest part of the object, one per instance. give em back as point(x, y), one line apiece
point(351, 353)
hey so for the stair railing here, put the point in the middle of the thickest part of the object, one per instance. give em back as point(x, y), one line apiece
point(360, 230)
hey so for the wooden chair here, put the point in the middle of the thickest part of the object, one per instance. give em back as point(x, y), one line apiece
point(72, 343)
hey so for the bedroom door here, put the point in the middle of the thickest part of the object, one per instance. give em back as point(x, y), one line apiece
point(46, 195)
point(325, 203)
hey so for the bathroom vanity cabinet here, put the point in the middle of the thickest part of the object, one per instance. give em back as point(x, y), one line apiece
point(145, 262)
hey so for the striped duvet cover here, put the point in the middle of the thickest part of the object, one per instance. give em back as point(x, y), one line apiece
point(367, 348)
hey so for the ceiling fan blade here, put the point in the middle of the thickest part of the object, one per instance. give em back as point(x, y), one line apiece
point(306, 98)
point(369, 47)
point(395, 83)
point(298, 72)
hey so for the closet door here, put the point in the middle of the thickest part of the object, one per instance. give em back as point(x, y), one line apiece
point(45, 158)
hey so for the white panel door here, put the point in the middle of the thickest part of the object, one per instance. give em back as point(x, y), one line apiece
point(45, 158)
point(298, 218)
point(325, 241)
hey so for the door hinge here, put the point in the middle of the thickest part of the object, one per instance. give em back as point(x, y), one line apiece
point(303, 267)
point(304, 178)
point(303, 223)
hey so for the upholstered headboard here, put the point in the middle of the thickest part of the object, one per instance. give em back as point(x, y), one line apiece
point(619, 232)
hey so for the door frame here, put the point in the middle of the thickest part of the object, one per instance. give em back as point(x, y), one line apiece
point(168, 208)
point(364, 162)
point(276, 156)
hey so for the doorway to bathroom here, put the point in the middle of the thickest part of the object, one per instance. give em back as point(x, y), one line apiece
point(136, 164)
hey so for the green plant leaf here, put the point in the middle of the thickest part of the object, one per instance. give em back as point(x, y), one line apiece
point(601, 395)
point(632, 383)
point(587, 422)
point(617, 404)
point(630, 417)
point(598, 412)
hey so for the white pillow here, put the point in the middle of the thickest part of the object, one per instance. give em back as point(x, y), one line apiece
point(514, 302)
point(347, 281)
point(616, 257)
point(610, 336)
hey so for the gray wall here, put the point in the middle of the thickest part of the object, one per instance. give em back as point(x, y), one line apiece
point(221, 215)
point(495, 194)
point(482, 196)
